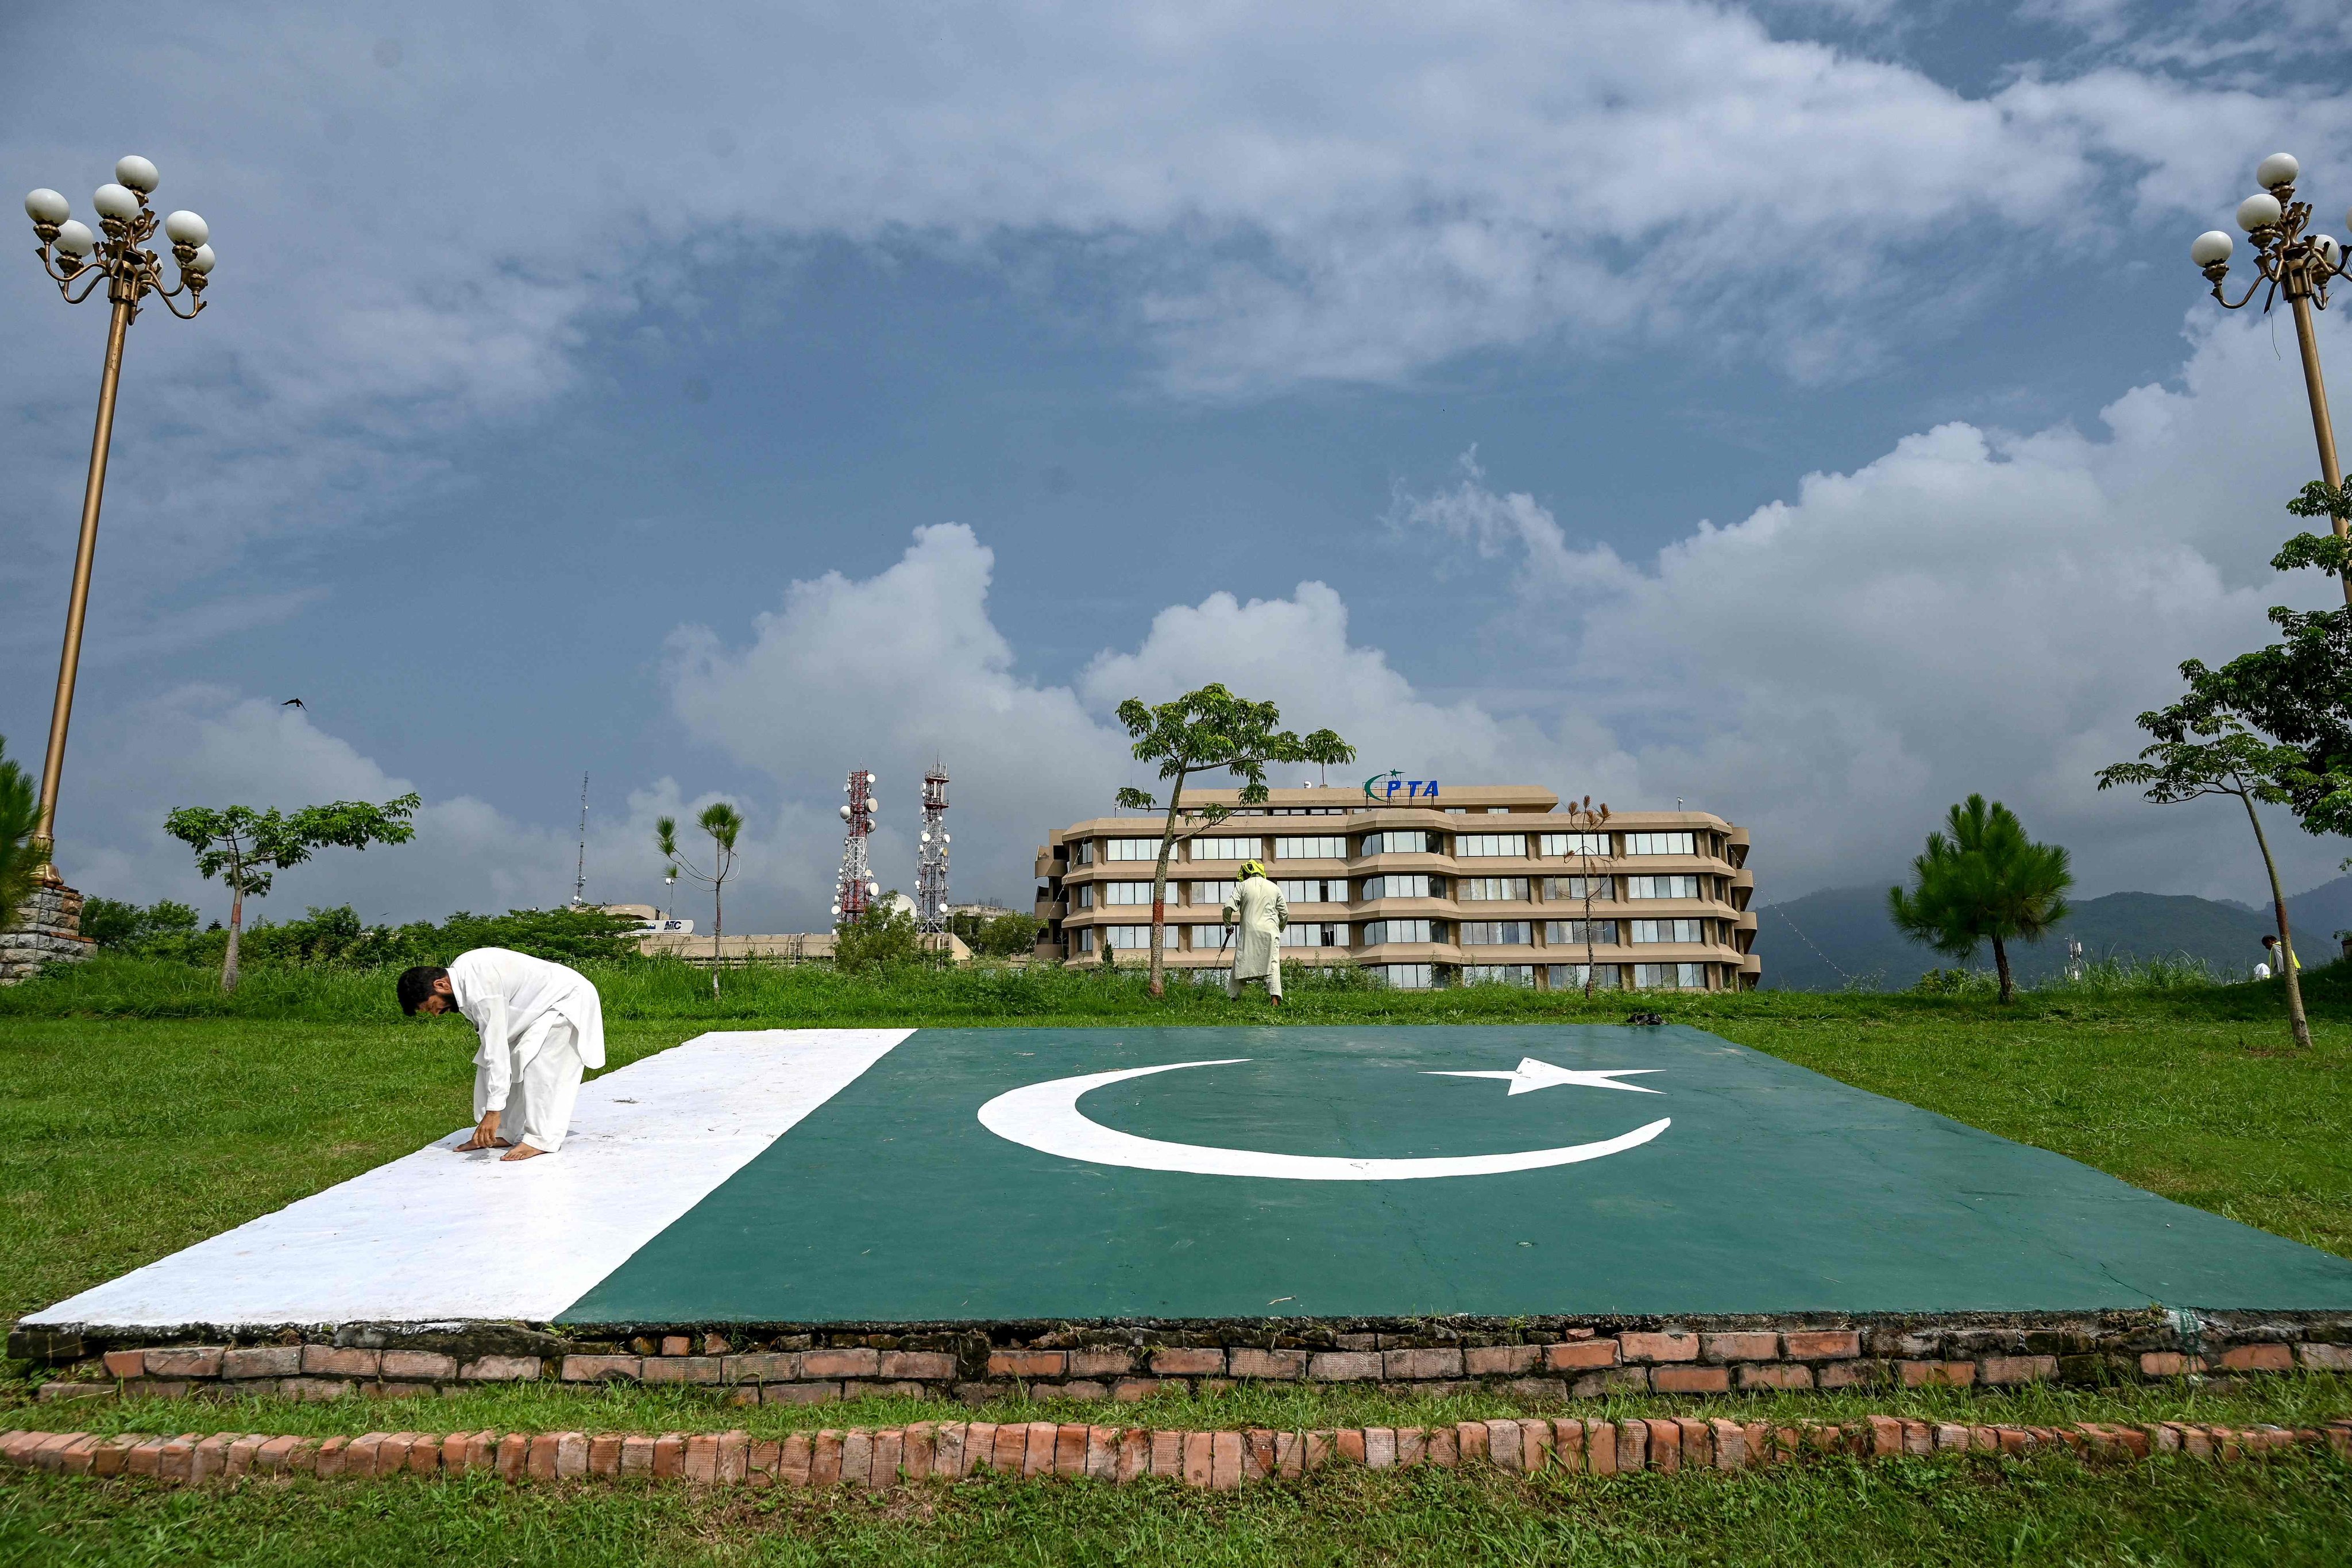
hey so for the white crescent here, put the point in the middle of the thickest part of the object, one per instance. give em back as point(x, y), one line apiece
point(1045, 1117)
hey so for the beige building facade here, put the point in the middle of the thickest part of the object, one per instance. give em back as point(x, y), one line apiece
point(1485, 883)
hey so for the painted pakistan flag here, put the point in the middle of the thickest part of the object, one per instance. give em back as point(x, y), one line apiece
point(1031, 1173)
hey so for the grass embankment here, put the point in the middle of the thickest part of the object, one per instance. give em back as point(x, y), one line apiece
point(144, 1111)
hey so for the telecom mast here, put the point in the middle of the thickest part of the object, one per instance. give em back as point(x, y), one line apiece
point(931, 854)
point(579, 875)
point(857, 886)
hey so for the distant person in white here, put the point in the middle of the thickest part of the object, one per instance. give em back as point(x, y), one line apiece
point(1257, 913)
point(541, 1027)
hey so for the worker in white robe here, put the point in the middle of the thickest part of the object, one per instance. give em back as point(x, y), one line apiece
point(1257, 915)
point(540, 1025)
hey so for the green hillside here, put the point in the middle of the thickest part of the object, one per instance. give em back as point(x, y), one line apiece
point(1840, 937)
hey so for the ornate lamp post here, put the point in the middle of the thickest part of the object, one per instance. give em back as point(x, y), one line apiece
point(2291, 261)
point(80, 261)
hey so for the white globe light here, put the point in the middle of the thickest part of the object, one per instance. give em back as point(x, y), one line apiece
point(137, 172)
point(202, 261)
point(2258, 212)
point(74, 239)
point(845, 814)
point(2278, 169)
point(46, 206)
point(184, 227)
point(115, 201)
point(2330, 253)
point(2211, 247)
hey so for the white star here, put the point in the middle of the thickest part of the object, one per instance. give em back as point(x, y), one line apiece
point(1531, 1075)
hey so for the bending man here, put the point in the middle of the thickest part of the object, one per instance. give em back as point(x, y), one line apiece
point(541, 1025)
point(1258, 910)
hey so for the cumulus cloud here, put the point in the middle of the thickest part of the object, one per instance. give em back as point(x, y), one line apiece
point(424, 216)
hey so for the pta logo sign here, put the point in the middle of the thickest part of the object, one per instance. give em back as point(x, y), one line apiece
point(1383, 788)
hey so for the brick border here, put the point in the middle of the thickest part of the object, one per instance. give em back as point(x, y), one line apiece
point(883, 1458)
point(1564, 1363)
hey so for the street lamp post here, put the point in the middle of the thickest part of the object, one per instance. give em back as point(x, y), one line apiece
point(80, 261)
point(2289, 261)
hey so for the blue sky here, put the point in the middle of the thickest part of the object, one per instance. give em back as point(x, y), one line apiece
point(1805, 410)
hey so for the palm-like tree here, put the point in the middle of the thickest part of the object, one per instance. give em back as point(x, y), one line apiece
point(722, 822)
point(1982, 879)
point(18, 816)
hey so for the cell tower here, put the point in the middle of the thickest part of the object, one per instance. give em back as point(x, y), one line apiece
point(931, 854)
point(858, 888)
point(579, 875)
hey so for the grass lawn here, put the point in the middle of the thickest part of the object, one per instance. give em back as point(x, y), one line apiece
point(141, 1111)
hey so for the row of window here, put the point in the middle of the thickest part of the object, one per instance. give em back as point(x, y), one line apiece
point(1468, 933)
point(1334, 846)
point(1556, 976)
point(1471, 890)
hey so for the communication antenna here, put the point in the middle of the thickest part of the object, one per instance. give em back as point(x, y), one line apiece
point(856, 887)
point(931, 853)
point(580, 874)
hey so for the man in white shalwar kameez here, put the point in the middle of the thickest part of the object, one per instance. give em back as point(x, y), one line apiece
point(1257, 914)
point(542, 1026)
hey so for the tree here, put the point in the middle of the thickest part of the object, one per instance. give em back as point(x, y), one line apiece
point(246, 848)
point(20, 813)
point(722, 822)
point(1589, 822)
point(2180, 767)
point(882, 935)
point(1982, 879)
point(1209, 731)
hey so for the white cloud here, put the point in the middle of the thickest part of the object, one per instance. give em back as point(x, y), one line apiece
point(424, 216)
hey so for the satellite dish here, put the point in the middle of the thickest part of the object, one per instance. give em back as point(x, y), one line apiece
point(943, 838)
point(872, 805)
point(927, 839)
point(845, 814)
point(873, 889)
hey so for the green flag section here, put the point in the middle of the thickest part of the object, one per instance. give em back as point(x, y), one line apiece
point(1399, 1172)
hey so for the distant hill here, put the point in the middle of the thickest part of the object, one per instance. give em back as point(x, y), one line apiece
point(1841, 936)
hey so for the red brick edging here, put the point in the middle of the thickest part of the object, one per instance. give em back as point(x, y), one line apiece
point(895, 1455)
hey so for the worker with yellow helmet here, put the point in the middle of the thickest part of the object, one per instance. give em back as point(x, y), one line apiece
point(1257, 915)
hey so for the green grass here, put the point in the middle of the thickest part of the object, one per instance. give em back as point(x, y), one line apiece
point(2055, 1509)
point(142, 1111)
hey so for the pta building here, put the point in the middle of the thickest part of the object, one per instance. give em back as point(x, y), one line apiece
point(1425, 886)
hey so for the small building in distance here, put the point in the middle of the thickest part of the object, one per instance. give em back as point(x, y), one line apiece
point(1485, 883)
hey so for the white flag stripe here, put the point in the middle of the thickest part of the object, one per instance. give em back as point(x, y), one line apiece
point(437, 1235)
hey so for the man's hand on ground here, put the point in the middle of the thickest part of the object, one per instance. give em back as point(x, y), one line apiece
point(486, 1136)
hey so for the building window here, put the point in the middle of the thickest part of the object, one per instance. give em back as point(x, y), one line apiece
point(1208, 939)
point(1087, 940)
point(1130, 849)
point(1577, 933)
point(1497, 933)
point(1489, 888)
point(1137, 936)
point(1086, 855)
point(1661, 844)
point(1576, 889)
point(1126, 892)
point(1216, 892)
point(1315, 891)
point(1409, 843)
point(1414, 887)
point(1224, 849)
point(1331, 848)
point(1085, 899)
point(1379, 932)
point(1576, 844)
point(1662, 887)
point(1571, 976)
point(1467, 845)
point(1498, 974)
point(1314, 934)
point(1402, 976)
point(1667, 930)
point(1670, 976)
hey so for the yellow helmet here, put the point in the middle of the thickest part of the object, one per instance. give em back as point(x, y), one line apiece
point(1252, 868)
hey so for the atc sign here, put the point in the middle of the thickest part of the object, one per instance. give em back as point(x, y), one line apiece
point(1381, 788)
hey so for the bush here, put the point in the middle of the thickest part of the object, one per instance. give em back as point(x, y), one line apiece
point(119, 926)
point(337, 936)
point(882, 936)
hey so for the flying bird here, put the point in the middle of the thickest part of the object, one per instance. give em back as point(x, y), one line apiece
point(293, 702)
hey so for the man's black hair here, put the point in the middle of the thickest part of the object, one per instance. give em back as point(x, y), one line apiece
point(416, 984)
